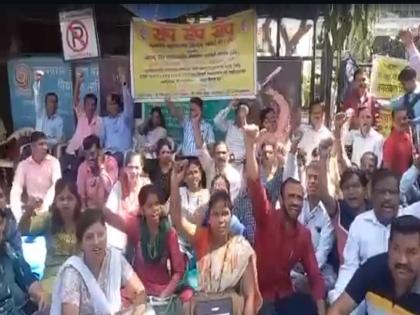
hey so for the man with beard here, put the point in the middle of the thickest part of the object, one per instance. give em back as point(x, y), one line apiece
point(18, 286)
point(36, 175)
point(368, 234)
point(220, 165)
point(365, 138)
point(281, 242)
point(398, 147)
point(388, 282)
point(196, 131)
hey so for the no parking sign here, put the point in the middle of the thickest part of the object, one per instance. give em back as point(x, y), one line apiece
point(78, 34)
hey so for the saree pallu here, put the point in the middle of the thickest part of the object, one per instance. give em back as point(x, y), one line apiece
point(220, 274)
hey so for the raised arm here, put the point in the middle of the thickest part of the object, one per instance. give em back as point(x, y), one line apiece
point(205, 158)
point(283, 113)
point(76, 95)
point(413, 53)
point(329, 201)
point(220, 121)
point(260, 203)
point(182, 225)
point(175, 112)
point(39, 107)
point(127, 98)
point(341, 122)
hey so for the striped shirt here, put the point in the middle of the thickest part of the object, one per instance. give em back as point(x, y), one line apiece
point(189, 147)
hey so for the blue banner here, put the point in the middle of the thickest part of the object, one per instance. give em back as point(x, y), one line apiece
point(57, 78)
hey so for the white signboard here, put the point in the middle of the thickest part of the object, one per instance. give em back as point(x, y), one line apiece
point(78, 34)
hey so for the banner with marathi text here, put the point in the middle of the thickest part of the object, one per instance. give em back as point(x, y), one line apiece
point(384, 78)
point(213, 60)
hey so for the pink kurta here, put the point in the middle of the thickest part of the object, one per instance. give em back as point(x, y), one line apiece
point(157, 277)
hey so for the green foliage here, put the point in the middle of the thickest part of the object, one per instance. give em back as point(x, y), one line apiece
point(349, 27)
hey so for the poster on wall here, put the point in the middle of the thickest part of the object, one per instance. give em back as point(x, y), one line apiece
point(212, 60)
point(384, 78)
point(78, 34)
point(56, 78)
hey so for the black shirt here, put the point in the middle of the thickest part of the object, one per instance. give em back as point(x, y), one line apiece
point(373, 282)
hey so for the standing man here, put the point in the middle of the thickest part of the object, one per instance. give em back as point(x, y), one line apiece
point(411, 49)
point(411, 99)
point(365, 138)
point(360, 97)
point(36, 175)
point(389, 282)
point(117, 132)
point(196, 131)
point(398, 147)
point(47, 119)
point(279, 232)
point(88, 123)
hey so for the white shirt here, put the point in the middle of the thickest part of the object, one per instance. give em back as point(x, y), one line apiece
point(318, 222)
point(367, 237)
point(372, 142)
point(231, 173)
point(311, 138)
point(191, 201)
point(234, 135)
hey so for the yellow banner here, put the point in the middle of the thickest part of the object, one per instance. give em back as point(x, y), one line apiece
point(384, 78)
point(212, 60)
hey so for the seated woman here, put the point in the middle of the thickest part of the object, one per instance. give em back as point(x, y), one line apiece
point(91, 283)
point(158, 260)
point(226, 264)
point(160, 170)
point(20, 292)
point(58, 226)
point(123, 199)
point(193, 194)
point(220, 182)
point(153, 129)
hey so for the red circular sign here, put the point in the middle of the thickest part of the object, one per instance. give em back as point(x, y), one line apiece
point(77, 36)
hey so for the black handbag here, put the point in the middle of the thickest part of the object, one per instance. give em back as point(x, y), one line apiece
point(214, 306)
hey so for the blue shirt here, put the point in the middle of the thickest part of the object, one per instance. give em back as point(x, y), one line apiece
point(189, 147)
point(117, 132)
point(52, 126)
point(399, 101)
